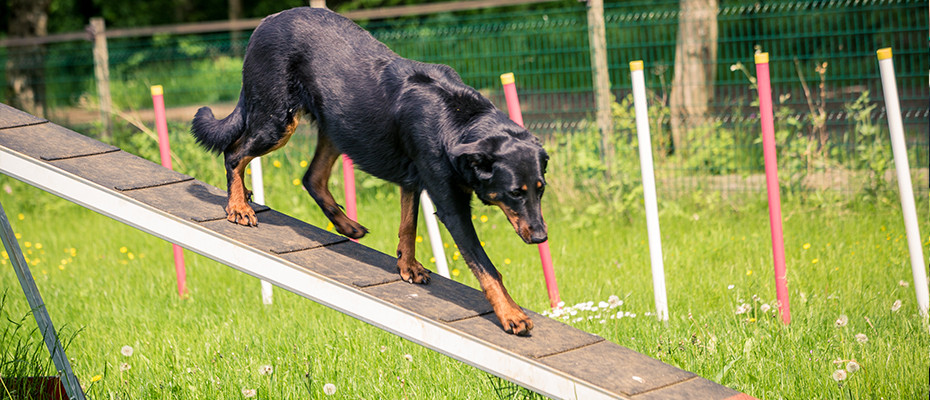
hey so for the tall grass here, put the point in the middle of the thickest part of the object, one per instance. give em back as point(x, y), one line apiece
point(844, 259)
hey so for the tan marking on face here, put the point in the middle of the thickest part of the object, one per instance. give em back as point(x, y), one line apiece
point(521, 227)
point(539, 184)
point(493, 195)
point(523, 187)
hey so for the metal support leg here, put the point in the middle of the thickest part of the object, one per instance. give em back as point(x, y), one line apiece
point(72, 387)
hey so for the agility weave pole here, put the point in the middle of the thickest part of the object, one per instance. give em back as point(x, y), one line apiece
point(557, 360)
point(771, 183)
point(545, 255)
point(649, 189)
point(902, 168)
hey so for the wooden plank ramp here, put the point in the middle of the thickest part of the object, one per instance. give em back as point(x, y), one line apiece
point(557, 360)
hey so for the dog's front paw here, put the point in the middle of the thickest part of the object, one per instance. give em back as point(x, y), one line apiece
point(516, 322)
point(413, 272)
point(242, 214)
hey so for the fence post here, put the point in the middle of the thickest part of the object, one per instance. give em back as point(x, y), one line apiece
point(597, 42)
point(102, 72)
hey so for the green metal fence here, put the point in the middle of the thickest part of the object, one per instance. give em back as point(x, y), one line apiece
point(829, 45)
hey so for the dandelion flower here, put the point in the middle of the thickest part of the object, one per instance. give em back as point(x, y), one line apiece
point(614, 301)
point(123, 249)
point(408, 357)
point(806, 246)
point(815, 261)
point(901, 283)
point(507, 261)
point(125, 367)
point(126, 351)
point(839, 375)
point(730, 287)
point(249, 392)
point(266, 370)
point(303, 163)
point(861, 338)
point(743, 308)
point(484, 218)
point(896, 306)
point(276, 164)
point(20, 216)
point(852, 366)
point(765, 308)
point(329, 389)
point(842, 321)
point(455, 272)
point(419, 239)
point(296, 182)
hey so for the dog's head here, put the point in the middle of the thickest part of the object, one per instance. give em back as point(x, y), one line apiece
point(505, 166)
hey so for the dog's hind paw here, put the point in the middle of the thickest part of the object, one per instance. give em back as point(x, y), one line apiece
point(413, 272)
point(241, 214)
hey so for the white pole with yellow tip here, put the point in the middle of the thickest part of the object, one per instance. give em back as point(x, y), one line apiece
point(258, 196)
point(906, 191)
point(649, 189)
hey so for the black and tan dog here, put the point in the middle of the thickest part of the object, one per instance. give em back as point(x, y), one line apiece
point(417, 125)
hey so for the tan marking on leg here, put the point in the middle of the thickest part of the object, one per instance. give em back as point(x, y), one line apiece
point(511, 316)
point(237, 207)
point(410, 269)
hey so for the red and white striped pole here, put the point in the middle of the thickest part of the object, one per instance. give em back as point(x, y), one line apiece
point(771, 179)
point(164, 148)
point(516, 115)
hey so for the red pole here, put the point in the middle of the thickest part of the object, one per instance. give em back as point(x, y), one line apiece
point(161, 126)
point(513, 109)
point(348, 177)
point(771, 180)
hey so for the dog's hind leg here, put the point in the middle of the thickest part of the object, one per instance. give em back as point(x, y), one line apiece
point(410, 269)
point(258, 141)
point(315, 181)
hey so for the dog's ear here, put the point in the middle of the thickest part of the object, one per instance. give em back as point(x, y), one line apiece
point(475, 161)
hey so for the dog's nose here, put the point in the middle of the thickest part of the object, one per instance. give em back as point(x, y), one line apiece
point(538, 237)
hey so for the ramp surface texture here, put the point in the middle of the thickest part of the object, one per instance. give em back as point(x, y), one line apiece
point(557, 360)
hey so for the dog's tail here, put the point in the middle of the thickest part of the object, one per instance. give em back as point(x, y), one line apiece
point(216, 135)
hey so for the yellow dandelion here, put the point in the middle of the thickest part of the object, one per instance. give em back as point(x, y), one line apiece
point(123, 250)
point(38, 246)
point(64, 261)
point(432, 260)
point(303, 163)
point(482, 244)
point(446, 245)
point(484, 218)
point(455, 256)
point(44, 272)
point(18, 236)
point(96, 378)
point(507, 261)
point(73, 252)
point(815, 261)
point(5, 254)
point(330, 227)
point(27, 244)
point(455, 272)
point(748, 272)
point(419, 239)
point(35, 262)
point(883, 228)
point(276, 163)
point(296, 182)
point(248, 171)
point(61, 267)
point(20, 216)
point(806, 246)
point(752, 320)
point(131, 256)
point(473, 217)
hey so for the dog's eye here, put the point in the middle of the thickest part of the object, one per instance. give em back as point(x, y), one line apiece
point(517, 192)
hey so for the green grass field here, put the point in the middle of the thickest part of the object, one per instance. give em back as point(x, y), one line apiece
point(108, 286)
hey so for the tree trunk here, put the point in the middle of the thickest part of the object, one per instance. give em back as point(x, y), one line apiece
point(25, 70)
point(695, 64)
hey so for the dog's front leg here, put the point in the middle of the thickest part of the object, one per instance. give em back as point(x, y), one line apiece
point(410, 269)
point(455, 213)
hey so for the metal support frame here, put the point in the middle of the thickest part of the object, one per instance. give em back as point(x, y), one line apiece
point(37, 306)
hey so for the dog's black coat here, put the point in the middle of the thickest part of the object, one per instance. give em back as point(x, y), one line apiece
point(415, 124)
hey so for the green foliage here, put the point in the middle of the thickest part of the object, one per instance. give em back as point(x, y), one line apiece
point(872, 150)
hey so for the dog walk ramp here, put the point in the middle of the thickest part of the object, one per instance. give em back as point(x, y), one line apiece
point(557, 360)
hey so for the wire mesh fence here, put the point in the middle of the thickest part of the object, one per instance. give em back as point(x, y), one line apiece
point(829, 110)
